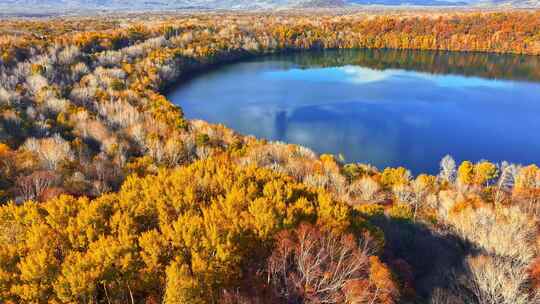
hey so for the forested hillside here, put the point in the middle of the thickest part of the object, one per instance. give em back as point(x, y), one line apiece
point(34, 6)
point(109, 195)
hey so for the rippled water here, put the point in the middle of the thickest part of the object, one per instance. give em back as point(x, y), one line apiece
point(387, 108)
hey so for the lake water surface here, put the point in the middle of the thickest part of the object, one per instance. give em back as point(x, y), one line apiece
point(383, 107)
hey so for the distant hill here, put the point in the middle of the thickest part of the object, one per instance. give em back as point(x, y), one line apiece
point(511, 3)
point(409, 2)
point(172, 4)
point(246, 4)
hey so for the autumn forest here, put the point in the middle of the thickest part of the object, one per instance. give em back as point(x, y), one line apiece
point(108, 194)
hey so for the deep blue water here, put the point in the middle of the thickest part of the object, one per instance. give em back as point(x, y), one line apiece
point(386, 108)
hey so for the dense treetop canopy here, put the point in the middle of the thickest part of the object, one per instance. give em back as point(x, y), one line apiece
point(109, 195)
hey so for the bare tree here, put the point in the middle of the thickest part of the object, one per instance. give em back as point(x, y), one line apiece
point(32, 187)
point(36, 83)
point(51, 151)
point(403, 193)
point(496, 280)
point(366, 188)
point(316, 265)
point(421, 188)
point(105, 172)
point(506, 181)
point(5, 96)
point(448, 169)
point(68, 55)
point(444, 296)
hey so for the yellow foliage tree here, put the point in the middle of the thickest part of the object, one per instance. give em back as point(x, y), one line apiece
point(196, 229)
point(395, 176)
point(466, 173)
point(477, 174)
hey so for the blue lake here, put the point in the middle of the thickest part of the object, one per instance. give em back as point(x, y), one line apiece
point(386, 108)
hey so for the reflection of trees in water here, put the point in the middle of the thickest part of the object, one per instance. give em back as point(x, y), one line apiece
point(281, 124)
point(361, 133)
point(494, 66)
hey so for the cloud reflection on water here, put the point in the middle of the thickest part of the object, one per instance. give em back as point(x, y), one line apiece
point(361, 75)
